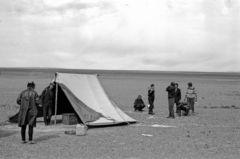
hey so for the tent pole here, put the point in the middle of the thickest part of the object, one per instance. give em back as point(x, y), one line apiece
point(56, 93)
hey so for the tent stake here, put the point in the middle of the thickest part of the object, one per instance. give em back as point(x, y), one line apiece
point(56, 104)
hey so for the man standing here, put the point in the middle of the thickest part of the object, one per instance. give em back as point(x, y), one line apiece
point(47, 100)
point(171, 99)
point(28, 101)
point(191, 96)
point(177, 96)
point(151, 98)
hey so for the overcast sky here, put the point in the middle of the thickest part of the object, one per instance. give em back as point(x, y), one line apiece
point(171, 35)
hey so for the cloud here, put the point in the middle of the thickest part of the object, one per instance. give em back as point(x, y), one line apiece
point(63, 56)
point(172, 35)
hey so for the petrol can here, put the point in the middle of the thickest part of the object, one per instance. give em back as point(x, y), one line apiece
point(80, 130)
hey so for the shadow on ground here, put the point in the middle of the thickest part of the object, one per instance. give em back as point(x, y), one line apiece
point(46, 137)
point(4, 133)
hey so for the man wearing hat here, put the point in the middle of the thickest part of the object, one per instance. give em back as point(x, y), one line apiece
point(191, 96)
point(47, 99)
point(28, 101)
point(171, 99)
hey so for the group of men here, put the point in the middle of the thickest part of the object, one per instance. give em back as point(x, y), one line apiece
point(29, 100)
point(174, 98)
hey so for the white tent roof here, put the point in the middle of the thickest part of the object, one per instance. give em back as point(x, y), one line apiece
point(89, 90)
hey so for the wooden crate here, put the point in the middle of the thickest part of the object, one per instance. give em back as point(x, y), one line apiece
point(69, 119)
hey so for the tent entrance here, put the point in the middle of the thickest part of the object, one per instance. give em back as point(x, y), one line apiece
point(67, 102)
point(63, 105)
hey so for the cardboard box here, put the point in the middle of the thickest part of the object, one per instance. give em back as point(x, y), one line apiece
point(69, 119)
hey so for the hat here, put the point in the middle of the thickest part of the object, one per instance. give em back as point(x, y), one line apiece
point(31, 84)
point(189, 83)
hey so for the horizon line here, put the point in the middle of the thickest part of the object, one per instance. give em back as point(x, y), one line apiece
point(52, 68)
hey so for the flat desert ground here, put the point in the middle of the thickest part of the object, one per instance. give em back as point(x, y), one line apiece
point(213, 132)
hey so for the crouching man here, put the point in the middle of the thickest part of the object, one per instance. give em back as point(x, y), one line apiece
point(139, 104)
point(183, 107)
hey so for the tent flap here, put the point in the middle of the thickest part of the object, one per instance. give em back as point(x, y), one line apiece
point(85, 113)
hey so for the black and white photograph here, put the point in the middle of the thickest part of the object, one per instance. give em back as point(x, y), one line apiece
point(119, 79)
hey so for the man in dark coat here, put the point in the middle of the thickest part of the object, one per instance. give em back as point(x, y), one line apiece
point(28, 101)
point(138, 104)
point(151, 98)
point(47, 99)
point(177, 96)
point(171, 99)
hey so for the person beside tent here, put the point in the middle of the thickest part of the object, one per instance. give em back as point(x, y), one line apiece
point(191, 96)
point(47, 100)
point(151, 98)
point(28, 101)
point(171, 99)
point(138, 104)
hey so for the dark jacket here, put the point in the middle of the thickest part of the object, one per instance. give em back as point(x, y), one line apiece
point(28, 101)
point(138, 102)
point(47, 97)
point(177, 95)
point(171, 91)
point(151, 95)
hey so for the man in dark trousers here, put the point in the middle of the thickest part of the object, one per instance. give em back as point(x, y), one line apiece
point(151, 98)
point(138, 104)
point(171, 99)
point(177, 96)
point(47, 99)
point(28, 101)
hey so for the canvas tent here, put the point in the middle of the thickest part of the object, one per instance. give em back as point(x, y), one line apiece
point(84, 95)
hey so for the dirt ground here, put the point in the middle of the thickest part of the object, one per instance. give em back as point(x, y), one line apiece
point(213, 132)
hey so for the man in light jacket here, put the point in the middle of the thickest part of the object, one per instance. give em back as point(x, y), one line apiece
point(191, 96)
